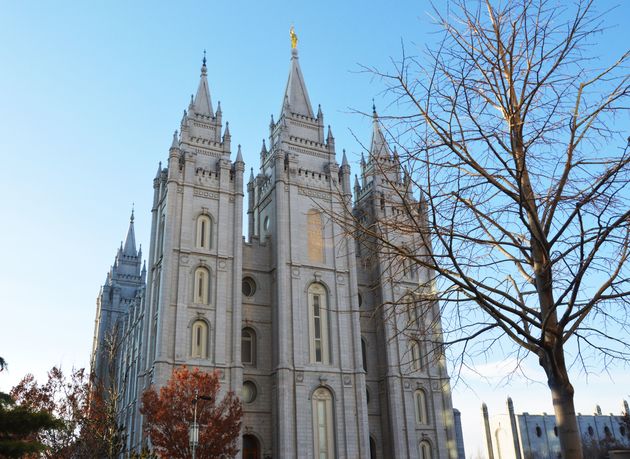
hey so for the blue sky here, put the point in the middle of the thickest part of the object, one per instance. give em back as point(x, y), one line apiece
point(90, 93)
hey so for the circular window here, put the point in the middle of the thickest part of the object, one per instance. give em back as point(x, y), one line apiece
point(249, 286)
point(266, 224)
point(248, 393)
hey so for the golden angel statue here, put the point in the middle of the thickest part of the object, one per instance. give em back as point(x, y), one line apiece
point(294, 38)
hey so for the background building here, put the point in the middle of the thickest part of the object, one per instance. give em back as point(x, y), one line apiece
point(291, 317)
point(535, 436)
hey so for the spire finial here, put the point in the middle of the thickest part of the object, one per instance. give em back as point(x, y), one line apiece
point(204, 69)
point(133, 208)
point(373, 107)
point(294, 37)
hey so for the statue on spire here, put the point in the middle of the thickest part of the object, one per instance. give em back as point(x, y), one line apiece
point(294, 38)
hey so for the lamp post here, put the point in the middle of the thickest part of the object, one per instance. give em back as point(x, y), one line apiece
point(193, 430)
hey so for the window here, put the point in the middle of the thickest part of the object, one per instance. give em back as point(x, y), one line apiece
point(425, 450)
point(315, 236)
point(251, 447)
point(248, 346)
point(364, 354)
point(199, 335)
point(411, 314)
point(538, 431)
point(323, 434)
point(372, 448)
point(204, 232)
point(318, 324)
point(421, 407)
point(248, 287)
point(201, 286)
point(249, 392)
point(416, 356)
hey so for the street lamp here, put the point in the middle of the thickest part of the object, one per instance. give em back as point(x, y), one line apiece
point(193, 430)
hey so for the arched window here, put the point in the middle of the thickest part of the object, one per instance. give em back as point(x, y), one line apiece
point(201, 285)
point(416, 355)
point(204, 232)
point(199, 338)
point(315, 236)
point(372, 448)
point(364, 354)
point(421, 407)
point(425, 450)
point(251, 447)
point(318, 324)
point(248, 346)
point(323, 431)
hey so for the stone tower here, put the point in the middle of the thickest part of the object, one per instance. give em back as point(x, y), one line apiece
point(411, 415)
point(195, 261)
point(123, 289)
point(317, 384)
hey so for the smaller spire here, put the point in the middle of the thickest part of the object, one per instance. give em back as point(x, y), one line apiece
point(239, 155)
point(251, 174)
point(263, 149)
point(362, 160)
point(175, 143)
point(319, 111)
point(159, 171)
point(329, 137)
point(357, 187)
point(344, 160)
point(130, 241)
point(227, 130)
point(219, 108)
point(191, 103)
point(272, 122)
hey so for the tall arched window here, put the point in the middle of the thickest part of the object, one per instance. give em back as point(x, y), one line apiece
point(372, 448)
point(421, 407)
point(199, 338)
point(416, 355)
point(425, 450)
point(318, 324)
point(201, 285)
point(248, 346)
point(204, 232)
point(315, 236)
point(364, 353)
point(323, 431)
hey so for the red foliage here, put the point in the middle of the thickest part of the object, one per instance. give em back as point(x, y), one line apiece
point(169, 415)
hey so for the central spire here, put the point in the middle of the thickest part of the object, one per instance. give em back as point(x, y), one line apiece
point(202, 103)
point(296, 98)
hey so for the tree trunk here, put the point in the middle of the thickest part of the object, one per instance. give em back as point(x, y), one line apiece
point(562, 396)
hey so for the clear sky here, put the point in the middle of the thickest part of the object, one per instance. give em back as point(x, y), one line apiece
point(90, 93)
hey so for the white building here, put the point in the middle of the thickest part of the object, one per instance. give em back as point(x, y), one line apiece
point(535, 436)
point(291, 315)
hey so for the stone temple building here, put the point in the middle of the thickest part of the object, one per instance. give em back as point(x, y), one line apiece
point(289, 315)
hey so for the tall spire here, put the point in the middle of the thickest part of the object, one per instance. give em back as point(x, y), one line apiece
point(130, 242)
point(295, 94)
point(379, 147)
point(202, 103)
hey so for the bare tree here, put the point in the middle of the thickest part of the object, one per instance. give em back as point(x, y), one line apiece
point(509, 131)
